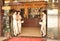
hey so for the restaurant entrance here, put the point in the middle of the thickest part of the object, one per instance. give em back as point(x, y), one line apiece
point(31, 13)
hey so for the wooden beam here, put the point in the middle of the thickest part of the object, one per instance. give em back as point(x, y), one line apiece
point(29, 5)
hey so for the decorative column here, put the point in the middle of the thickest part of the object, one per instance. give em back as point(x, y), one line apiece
point(6, 27)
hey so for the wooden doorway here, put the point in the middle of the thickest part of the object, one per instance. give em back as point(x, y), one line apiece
point(30, 12)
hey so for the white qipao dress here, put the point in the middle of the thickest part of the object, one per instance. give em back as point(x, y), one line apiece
point(19, 23)
point(15, 28)
point(43, 28)
point(43, 24)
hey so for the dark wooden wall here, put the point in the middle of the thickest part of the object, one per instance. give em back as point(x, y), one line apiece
point(1, 3)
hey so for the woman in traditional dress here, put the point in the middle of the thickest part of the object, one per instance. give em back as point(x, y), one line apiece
point(43, 27)
point(19, 22)
point(15, 29)
point(43, 23)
